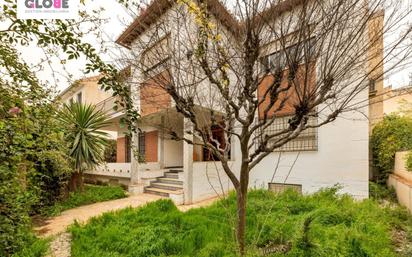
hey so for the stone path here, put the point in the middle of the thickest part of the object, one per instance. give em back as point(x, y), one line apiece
point(56, 226)
point(60, 246)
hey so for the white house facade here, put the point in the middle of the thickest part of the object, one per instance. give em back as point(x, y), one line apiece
point(334, 154)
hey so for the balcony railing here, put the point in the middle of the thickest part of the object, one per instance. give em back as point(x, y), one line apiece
point(108, 105)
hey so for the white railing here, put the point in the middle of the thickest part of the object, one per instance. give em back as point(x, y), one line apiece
point(107, 105)
point(122, 170)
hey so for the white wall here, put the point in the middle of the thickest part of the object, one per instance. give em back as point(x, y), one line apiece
point(209, 180)
point(342, 158)
point(173, 153)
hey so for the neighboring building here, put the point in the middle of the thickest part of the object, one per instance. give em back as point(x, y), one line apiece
point(336, 153)
point(86, 90)
point(396, 99)
point(385, 101)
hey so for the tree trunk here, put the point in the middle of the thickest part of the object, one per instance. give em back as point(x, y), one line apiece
point(75, 181)
point(241, 219)
point(80, 182)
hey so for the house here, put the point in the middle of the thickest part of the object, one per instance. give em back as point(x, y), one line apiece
point(88, 91)
point(85, 90)
point(391, 100)
point(336, 153)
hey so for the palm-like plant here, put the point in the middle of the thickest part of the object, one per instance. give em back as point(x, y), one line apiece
point(83, 124)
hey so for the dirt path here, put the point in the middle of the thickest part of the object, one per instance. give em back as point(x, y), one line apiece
point(59, 224)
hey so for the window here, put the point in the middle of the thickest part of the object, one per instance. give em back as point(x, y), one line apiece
point(128, 149)
point(306, 141)
point(281, 187)
point(142, 144)
point(279, 59)
point(218, 134)
point(71, 101)
point(155, 58)
point(372, 86)
point(79, 97)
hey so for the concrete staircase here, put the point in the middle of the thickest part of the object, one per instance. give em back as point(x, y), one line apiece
point(168, 184)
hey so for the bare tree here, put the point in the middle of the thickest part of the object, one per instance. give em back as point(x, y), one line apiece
point(241, 66)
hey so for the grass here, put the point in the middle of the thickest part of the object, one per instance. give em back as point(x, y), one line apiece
point(91, 194)
point(288, 224)
point(35, 247)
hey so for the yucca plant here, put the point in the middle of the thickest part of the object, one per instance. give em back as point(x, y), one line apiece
point(84, 124)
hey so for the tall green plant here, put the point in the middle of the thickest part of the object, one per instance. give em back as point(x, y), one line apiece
point(391, 135)
point(84, 124)
point(34, 167)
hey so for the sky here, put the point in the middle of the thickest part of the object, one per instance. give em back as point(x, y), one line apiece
point(116, 20)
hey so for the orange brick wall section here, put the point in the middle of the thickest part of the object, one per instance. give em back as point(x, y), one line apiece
point(153, 96)
point(288, 108)
point(151, 146)
point(121, 150)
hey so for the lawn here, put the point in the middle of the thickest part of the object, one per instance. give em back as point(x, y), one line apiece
point(91, 194)
point(322, 224)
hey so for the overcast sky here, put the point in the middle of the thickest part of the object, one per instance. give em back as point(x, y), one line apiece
point(117, 18)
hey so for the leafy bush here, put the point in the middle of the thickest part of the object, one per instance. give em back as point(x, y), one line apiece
point(33, 162)
point(391, 135)
point(381, 192)
point(327, 225)
point(110, 151)
point(409, 161)
point(34, 248)
point(91, 194)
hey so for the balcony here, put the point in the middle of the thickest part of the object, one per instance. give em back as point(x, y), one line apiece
point(108, 105)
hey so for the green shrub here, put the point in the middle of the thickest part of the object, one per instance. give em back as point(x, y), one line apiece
point(34, 248)
point(33, 162)
point(91, 194)
point(391, 135)
point(110, 151)
point(382, 192)
point(328, 225)
point(408, 163)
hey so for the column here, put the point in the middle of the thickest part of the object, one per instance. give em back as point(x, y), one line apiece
point(136, 186)
point(188, 162)
point(162, 143)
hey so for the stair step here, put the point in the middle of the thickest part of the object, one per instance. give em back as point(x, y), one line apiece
point(169, 180)
point(174, 167)
point(161, 192)
point(171, 175)
point(175, 170)
point(172, 187)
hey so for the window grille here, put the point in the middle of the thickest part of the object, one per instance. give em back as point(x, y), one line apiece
point(306, 141)
point(279, 59)
point(280, 187)
point(142, 144)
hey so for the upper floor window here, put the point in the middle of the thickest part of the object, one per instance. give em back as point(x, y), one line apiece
point(372, 86)
point(279, 60)
point(79, 97)
point(155, 58)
